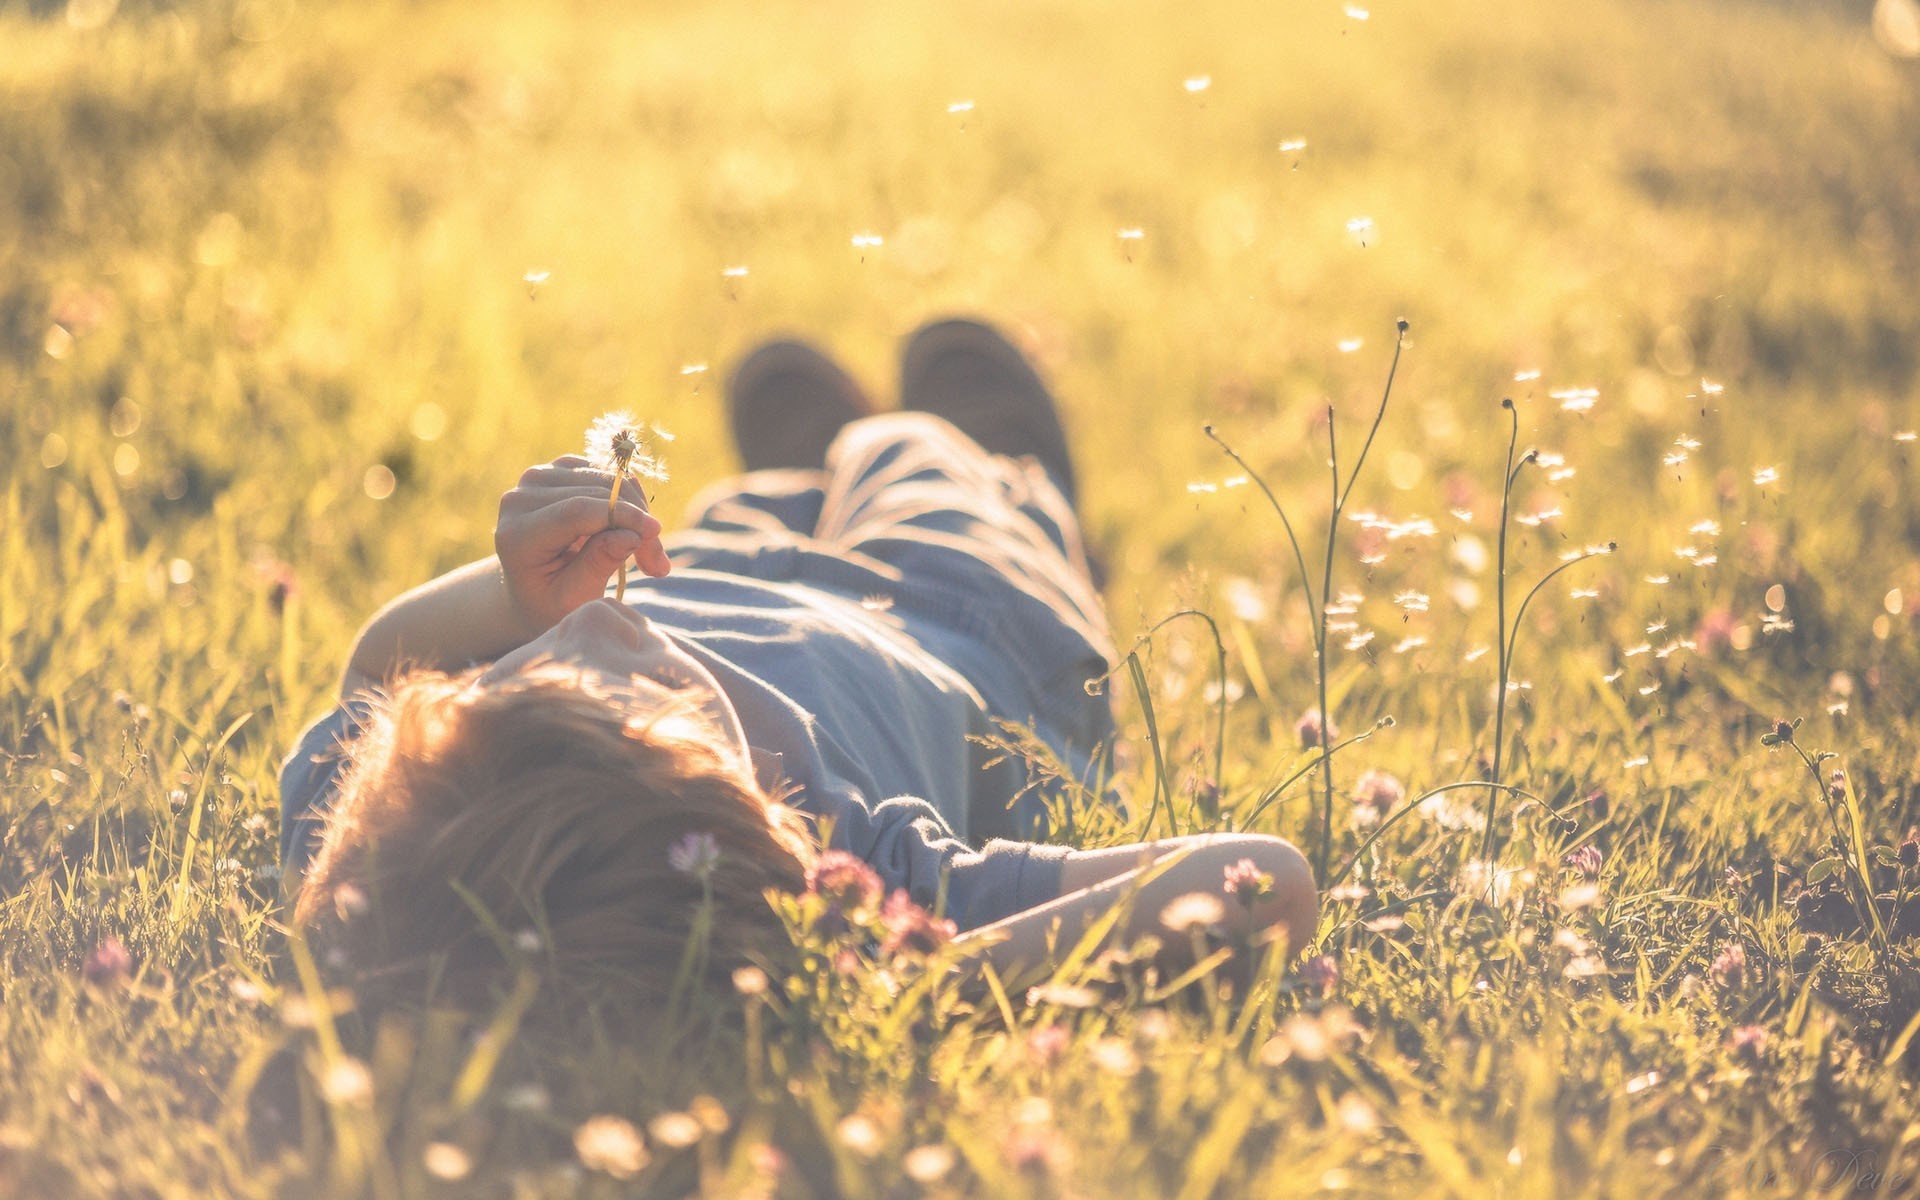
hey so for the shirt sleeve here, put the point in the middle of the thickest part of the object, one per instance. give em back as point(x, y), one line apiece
point(907, 843)
point(308, 781)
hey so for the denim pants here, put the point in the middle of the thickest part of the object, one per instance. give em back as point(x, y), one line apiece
point(977, 556)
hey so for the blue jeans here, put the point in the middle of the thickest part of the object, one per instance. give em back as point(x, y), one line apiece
point(977, 556)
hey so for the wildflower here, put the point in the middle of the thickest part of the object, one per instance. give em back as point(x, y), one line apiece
point(1379, 791)
point(610, 1145)
point(928, 1164)
point(676, 1130)
point(1320, 973)
point(1045, 1042)
point(911, 929)
point(1730, 965)
point(347, 1082)
point(1909, 851)
point(1194, 910)
point(1579, 896)
point(108, 966)
point(696, 854)
point(350, 902)
point(859, 1134)
point(1247, 883)
point(1313, 730)
point(444, 1160)
point(1586, 859)
point(1032, 1144)
point(845, 882)
point(1116, 1057)
point(1062, 995)
point(1749, 1042)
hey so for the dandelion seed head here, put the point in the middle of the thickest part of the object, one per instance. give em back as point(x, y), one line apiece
point(1195, 910)
point(621, 445)
point(610, 1145)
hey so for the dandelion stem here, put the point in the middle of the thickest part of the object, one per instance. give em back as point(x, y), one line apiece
point(613, 505)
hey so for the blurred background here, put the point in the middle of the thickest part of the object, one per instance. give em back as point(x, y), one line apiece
point(292, 291)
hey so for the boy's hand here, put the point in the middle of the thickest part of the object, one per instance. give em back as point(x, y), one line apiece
point(555, 546)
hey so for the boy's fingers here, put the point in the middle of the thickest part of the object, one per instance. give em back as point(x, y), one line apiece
point(530, 499)
point(599, 558)
point(652, 557)
point(575, 516)
point(538, 480)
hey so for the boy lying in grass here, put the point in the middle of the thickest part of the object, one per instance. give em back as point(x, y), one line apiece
point(819, 651)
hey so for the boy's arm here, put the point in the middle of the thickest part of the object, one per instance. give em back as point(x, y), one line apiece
point(556, 551)
point(1092, 882)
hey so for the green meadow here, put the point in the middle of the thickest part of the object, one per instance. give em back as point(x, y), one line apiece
point(289, 294)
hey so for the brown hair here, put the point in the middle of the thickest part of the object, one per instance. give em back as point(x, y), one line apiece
point(469, 815)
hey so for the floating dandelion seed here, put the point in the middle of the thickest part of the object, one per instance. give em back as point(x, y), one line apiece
point(1634, 764)
point(533, 279)
point(1355, 12)
point(1706, 528)
point(1525, 376)
point(1659, 580)
point(867, 241)
point(1685, 442)
point(1584, 594)
point(960, 106)
point(733, 272)
point(1460, 514)
point(694, 369)
point(1474, 655)
point(1907, 435)
point(1576, 400)
point(1709, 387)
point(1132, 234)
point(1198, 84)
point(1360, 229)
point(1765, 476)
point(1349, 345)
point(1293, 145)
point(1234, 481)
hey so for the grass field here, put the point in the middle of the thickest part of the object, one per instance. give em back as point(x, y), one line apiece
point(290, 294)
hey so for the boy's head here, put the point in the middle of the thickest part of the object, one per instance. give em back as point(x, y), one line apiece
point(540, 806)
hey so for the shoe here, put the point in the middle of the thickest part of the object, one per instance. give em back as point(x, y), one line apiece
point(973, 377)
point(786, 401)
